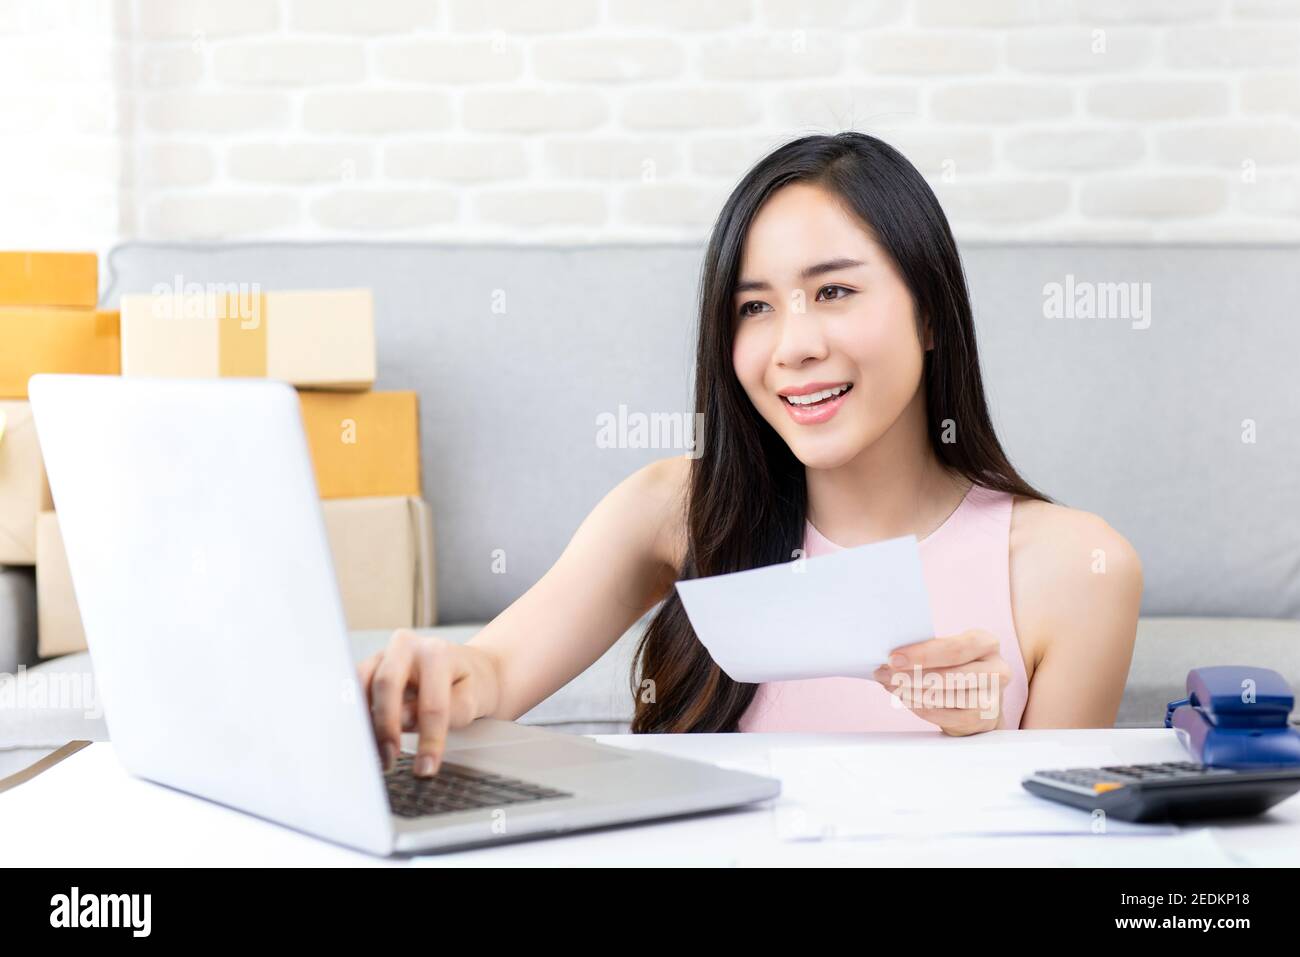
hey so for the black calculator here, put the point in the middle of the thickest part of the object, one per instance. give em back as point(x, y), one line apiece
point(1171, 791)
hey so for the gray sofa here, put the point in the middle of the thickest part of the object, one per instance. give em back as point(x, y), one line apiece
point(516, 351)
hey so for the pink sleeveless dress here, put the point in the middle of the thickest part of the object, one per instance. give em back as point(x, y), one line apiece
point(965, 562)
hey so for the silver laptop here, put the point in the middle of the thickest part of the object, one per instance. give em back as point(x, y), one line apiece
point(199, 558)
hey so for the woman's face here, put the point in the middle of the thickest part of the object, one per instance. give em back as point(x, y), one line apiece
point(823, 314)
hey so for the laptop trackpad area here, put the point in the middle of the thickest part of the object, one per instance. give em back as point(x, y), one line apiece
point(539, 755)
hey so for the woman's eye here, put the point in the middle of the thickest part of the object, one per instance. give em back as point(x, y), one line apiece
point(835, 292)
point(752, 307)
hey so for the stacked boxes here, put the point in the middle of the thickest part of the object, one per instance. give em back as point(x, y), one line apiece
point(48, 323)
point(364, 444)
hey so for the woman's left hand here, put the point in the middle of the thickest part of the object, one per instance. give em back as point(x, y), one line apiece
point(954, 682)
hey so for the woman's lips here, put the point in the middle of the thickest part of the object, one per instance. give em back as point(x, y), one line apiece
point(816, 414)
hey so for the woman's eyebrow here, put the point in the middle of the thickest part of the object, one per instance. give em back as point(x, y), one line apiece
point(817, 269)
point(829, 266)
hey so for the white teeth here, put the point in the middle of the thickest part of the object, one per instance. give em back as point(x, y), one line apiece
point(812, 397)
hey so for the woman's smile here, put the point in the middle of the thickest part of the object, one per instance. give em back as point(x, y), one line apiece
point(815, 403)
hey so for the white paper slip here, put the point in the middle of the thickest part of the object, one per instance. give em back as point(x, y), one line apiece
point(837, 615)
point(857, 791)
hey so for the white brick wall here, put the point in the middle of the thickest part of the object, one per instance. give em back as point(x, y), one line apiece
point(592, 120)
point(64, 124)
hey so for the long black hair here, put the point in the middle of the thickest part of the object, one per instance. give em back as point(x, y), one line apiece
point(747, 501)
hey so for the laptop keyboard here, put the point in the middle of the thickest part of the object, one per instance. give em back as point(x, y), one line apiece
point(457, 788)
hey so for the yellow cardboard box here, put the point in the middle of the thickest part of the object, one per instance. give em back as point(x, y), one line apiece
point(49, 279)
point(383, 560)
point(24, 493)
point(314, 339)
point(363, 443)
point(36, 340)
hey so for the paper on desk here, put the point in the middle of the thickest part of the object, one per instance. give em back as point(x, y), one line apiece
point(854, 791)
point(1188, 848)
point(837, 615)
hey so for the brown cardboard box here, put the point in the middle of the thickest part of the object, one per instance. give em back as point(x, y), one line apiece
point(363, 444)
point(314, 339)
point(24, 493)
point(36, 340)
point(49, 279)
point(58, 621)
point(383, 560)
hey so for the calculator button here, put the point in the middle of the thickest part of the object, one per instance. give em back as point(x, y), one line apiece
point(1101, 787)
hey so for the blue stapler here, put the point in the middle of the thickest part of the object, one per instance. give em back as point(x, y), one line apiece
point(1236, 717)
point(1245, 758)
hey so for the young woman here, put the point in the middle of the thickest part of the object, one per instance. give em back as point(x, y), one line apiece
point(840, 388)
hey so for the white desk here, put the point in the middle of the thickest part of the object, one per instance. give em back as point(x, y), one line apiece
point(85, 811)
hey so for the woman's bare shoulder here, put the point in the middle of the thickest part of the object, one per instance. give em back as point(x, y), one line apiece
point(658, 492)
point(1068, 567)
point(1057, 532)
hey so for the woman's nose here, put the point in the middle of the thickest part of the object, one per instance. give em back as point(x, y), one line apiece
point(801, 338)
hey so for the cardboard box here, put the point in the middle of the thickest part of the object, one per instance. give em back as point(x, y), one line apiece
point(36, 340)
point(24, 493)
point(383, 560)
point(49, 279)
point(363, 444)
point(312, 339)
point(58, 620)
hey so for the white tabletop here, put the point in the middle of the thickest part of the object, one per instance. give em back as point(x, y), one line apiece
point(86, 811)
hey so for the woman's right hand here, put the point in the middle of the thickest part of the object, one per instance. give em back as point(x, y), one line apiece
point(425, 684)
point(622, 559)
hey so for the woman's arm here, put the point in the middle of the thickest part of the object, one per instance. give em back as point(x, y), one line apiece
point(1076, 589)
point(622, 559)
